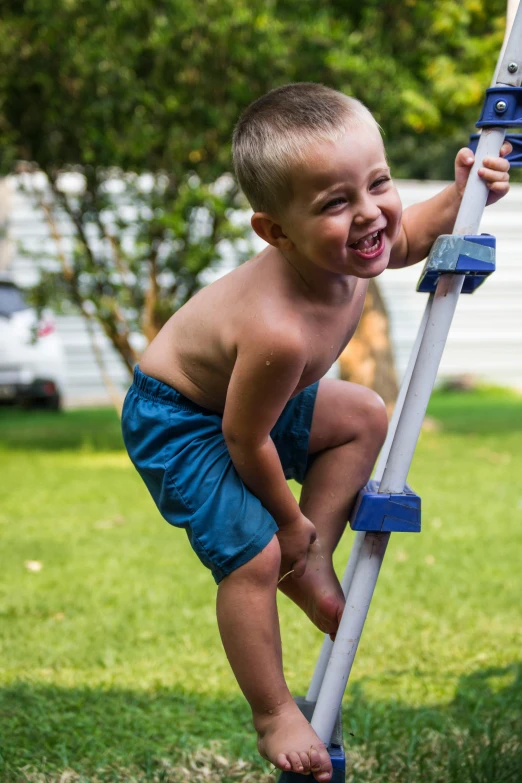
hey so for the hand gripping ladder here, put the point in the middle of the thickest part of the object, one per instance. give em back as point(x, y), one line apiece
point(457, 263)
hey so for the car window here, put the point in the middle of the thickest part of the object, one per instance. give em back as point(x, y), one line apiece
point(11, 300)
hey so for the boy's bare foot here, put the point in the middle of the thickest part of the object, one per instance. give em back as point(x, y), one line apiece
point(318, 592)
point(288, 741)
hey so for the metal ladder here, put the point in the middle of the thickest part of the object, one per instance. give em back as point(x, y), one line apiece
point(457, 263)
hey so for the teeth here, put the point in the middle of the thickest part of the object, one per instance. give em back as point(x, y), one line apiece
point(360, 244)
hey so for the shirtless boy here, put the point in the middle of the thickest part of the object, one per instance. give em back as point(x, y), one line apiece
point(230, 400)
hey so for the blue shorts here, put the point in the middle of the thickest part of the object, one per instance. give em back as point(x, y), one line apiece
point(179, 450)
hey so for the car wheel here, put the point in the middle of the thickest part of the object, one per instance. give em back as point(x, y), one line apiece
point(52, 403)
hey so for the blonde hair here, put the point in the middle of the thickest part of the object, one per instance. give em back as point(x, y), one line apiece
point(278, 129)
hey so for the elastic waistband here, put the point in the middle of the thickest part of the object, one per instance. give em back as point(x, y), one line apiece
point(157, 390)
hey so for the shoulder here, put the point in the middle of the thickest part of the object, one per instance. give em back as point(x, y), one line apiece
point(273, 337)
point(262, 315)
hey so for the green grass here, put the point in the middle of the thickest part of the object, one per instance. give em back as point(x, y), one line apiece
point(111, 664)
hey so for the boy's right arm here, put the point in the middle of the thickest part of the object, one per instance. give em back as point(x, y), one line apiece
point(267, 370)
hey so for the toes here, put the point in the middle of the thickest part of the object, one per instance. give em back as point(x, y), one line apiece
point(320, 764)
point(305, 760)
point(295, 761)
point(282, 762)
point(322, 777)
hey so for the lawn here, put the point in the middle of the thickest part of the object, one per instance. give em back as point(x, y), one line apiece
point(111, 664)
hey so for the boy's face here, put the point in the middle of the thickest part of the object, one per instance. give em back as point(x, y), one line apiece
point(346, 212)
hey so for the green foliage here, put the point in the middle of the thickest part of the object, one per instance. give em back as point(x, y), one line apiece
point(115, 89)
point(158, 86)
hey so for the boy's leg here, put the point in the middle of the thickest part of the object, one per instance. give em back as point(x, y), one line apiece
point(348, 429)
point(249, 627)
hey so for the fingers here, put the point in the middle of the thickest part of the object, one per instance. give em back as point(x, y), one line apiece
point(495, 173)
point(466, 152)
point(296, 542)
point(495, 165)
point(498, 187)
point(465, 157)
point(299, 567)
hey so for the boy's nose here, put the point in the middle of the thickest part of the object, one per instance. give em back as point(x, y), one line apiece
point(367, 210)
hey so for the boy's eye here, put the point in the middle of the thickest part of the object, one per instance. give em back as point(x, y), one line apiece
point(380, 181)
point(335, 202)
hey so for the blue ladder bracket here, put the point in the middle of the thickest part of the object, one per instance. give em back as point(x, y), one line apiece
point(470, 255)
point(515, 139)
point(386, 513)
point(502, 108)
point(338, 765)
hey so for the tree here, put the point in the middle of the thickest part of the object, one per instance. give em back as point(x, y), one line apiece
point(142, 96)
point(107, 105)
point(368, 358)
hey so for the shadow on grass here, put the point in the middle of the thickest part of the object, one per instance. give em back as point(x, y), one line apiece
point(477, 738)
point(112, 734)
point(94, 429)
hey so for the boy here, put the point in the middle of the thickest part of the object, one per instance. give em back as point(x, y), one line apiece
point(228, 401)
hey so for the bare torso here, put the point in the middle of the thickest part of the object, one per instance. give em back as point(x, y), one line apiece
point(196, 350)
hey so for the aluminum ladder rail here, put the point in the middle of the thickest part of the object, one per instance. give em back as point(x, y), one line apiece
point(336, 659)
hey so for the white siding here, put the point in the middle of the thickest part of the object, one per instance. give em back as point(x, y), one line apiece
point(27, 227)
point(84, 384)
point(486, 335)
point(485, 340)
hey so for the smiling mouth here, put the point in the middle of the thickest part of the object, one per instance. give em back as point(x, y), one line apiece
point(369, 246)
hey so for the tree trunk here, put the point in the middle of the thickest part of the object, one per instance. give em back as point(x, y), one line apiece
point(368, 358)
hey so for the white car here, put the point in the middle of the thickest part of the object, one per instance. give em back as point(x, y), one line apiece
point(32, 357)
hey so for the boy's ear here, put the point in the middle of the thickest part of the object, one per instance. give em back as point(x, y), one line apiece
point(270, 231)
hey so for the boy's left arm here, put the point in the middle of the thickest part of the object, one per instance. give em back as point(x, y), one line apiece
point(423, 223)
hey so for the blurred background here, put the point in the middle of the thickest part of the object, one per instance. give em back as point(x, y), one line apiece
point(118, 203)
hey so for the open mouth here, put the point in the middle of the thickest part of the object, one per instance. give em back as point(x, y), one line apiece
point(369, 246)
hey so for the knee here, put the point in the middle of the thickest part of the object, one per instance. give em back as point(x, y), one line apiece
point(374, 417)
point(263, 569)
